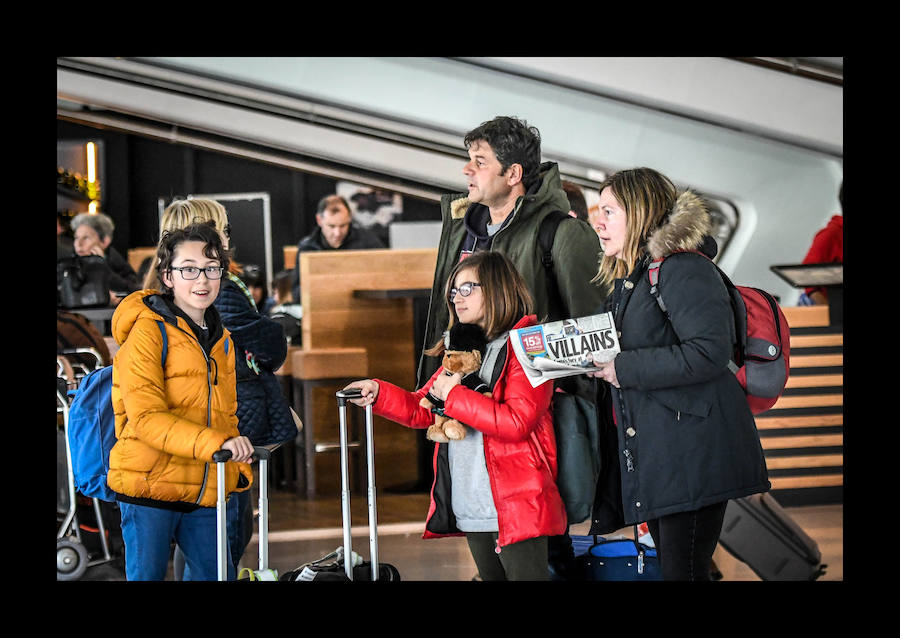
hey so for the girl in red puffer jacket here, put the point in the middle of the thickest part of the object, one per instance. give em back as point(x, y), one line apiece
point(496, 486)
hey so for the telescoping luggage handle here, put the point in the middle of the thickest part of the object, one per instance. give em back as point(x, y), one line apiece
point(343, 396)
point(262, 454)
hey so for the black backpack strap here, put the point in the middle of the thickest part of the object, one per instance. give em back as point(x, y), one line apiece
point(498, 366)
point(546, 237)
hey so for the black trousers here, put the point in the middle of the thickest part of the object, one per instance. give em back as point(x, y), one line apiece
point(685, 541)
point(525, 560)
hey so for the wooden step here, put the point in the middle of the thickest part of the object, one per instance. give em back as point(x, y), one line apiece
point(794, 482)
point(781, 422)
point(801, 441)
point(813, 460)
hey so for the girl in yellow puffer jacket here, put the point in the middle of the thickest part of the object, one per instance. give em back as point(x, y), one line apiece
point(170, 421)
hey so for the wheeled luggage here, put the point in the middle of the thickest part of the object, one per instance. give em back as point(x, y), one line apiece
point(335, 566)
point(758, 532)
point(263, 454)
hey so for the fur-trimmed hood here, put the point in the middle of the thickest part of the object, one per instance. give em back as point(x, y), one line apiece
point(687, 228)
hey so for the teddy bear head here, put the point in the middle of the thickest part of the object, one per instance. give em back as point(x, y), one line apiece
point(464, 344)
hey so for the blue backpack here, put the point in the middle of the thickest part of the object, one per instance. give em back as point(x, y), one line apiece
point(92, 429)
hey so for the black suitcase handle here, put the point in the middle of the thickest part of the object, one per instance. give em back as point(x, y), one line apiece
point(345, 395)
point(259, 454)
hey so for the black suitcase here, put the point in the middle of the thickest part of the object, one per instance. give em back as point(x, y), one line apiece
point(758, 532)
point(356, 568)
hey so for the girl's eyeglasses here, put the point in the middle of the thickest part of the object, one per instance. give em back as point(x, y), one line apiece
point(193, 272)
point(464, 289)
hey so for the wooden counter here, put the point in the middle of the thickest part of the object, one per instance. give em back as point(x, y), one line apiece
point(334, 318)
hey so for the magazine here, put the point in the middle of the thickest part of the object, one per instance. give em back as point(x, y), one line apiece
point(565, 348)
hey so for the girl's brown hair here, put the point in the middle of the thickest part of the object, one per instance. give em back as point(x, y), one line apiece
point(647, 196)
point(506, 296)
point(205, 232)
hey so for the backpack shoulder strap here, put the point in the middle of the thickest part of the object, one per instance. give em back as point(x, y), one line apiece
point(165, 338)
point(498, 366)
point(653, 275)
point(546, 237)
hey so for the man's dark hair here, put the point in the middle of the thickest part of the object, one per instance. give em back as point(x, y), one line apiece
point(513, 142)
point(576, 200)
point(203, 232)
point(330, 200)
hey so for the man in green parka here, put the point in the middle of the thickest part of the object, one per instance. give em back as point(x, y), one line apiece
point(509, 193)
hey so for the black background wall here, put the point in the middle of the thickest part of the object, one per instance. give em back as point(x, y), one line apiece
point(138, 171)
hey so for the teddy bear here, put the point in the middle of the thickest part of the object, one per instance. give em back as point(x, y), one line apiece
point(465, 344)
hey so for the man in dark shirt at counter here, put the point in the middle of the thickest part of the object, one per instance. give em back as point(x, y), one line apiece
point(335, 231)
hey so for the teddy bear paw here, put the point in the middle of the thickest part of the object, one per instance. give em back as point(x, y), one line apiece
point(434, 433)
point(454, 430)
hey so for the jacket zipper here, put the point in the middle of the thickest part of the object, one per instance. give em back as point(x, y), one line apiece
point(208, 409)
point(491, 483)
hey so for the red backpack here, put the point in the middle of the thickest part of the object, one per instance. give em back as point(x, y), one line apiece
point(762, 353)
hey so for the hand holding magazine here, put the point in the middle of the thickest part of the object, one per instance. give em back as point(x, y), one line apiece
point(565, 348)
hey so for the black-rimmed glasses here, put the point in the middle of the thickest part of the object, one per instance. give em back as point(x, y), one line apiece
point(464, 289)
point(192, 272)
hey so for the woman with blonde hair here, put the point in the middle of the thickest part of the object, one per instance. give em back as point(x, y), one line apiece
point(679, 439)
point(497, 485)
point(183, 212)
point(264, 415)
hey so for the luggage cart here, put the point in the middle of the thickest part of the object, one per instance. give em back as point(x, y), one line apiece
point(72, 557)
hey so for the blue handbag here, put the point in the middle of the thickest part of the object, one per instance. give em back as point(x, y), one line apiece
point(615, 559)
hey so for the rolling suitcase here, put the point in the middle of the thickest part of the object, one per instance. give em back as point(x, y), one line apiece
point(262, 454)
point(355, 568)
point(758, 532)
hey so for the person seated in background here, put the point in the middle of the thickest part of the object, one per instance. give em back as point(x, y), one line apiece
point(577, 204)
point(255, 279)
point(93, 236)
point(827, 247)
point(281, 289)
point(335, 231)
point(286, 310)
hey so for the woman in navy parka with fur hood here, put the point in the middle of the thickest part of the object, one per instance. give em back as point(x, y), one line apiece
point(680, 439)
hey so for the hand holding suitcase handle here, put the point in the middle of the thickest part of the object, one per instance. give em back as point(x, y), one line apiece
point(362, 393)
point(240, 448)
point(259, 454)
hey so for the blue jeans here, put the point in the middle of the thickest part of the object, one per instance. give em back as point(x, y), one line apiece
point(239, 525)
point(148, 533)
